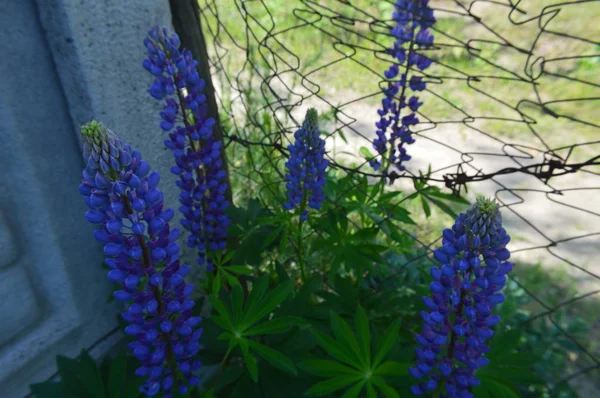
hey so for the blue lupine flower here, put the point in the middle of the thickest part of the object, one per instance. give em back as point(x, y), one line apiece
point(121, 191)
point(465, 290)
point(306, 166)
point(199, 164)
point(413, 19)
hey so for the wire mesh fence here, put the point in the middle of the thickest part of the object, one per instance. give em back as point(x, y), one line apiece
point(509, 111)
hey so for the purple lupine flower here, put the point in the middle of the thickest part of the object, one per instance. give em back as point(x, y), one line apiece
point(464, 292)
point(121, 191)
point(413, 19)
point(306, 167)
point(198, 160)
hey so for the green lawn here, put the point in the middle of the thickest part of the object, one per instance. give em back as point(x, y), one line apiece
point(332, 44)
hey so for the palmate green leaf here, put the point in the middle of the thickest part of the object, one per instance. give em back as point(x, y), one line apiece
point(355, 390)
point(68, 370)
point(335, 349)
point(259, 287)
point(249, 359)
point(276, 326)
point(116, 375)
point(275, 358)
point(332, 385)
point(49, 389)
point(226, 319)
point(216, 283)
point(361, 323)
point(386, 343)
point(222, 322)
point(272, 236)
point(426, 207)
point(326, 368)
point(90, 376)
point(370, 390)
point(237, 301)
point(239, 269)
point(229, 375)
point(392, 368)
point(232, 280)
point(495, 388)
point(266, 305)
point(342, 332)
point(444, 207)
point(384, 387)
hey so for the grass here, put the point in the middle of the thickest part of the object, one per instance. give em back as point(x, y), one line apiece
point(332, 44)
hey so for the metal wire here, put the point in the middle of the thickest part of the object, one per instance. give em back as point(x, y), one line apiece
point(518, 79)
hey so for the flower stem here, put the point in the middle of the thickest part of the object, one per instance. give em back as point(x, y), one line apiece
point(221, 366)
point(300, 246)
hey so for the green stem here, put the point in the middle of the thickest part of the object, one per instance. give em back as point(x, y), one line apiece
point(221, 365)
point(300, 247)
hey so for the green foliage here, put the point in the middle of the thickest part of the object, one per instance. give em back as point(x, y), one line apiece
point(84, 378)
point(355, 366)
point(240, 322)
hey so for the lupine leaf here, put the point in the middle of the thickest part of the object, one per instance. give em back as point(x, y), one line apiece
point(90, 376)
point(496, 388)
point(249, 359)
point(275, 358)
point(239, 269)
point(281, 272)
point(426, 207)
point(68, 370)
point(342, 332)
point(444, 207)
point(232, 280)
point(332, 385)
point(116, 375)
point(386, 343)
point(229, 375)
point(222, 322)
point(258, 290)
point(267, 304)
point(49, 389)
point(371, 393)
point(392, 368)
point(216, 283)
point(384, 387)
point(272, 236)
point(355, 390)
point(226, 316)
point(361, 323)
point(237, 301)
point(325, 368)
point(335, 349)
point(275, 326)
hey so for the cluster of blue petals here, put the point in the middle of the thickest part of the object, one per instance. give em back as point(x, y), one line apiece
point(306, 166)
point(464, 292)
point(199, 164)
point(121, 191)
point(413, 18)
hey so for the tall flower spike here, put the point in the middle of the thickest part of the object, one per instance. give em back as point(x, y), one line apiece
point(464, 292)
point(412, 18)
point(198, 160)
point(121, 191)
point(306, 167)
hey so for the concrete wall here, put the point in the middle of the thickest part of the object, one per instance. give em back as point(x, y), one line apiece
point(62, 64)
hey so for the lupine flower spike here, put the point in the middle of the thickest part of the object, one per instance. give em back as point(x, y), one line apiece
point(412, 18)
point(199, 164)
point(121, 191)
point(464, 292)
point(306, 167)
